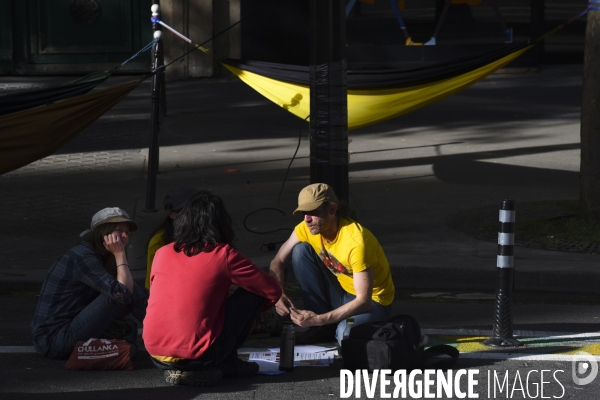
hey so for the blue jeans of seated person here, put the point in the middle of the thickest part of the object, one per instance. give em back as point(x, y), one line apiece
point(93, 320)
point(322, 292)
point(241, 309)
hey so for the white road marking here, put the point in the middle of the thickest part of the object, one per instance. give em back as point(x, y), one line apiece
point(516, 334)
point(522, 356)
point(16, 349)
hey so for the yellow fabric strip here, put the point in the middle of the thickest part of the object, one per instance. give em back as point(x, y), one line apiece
point(156, 242)
point(168, 359)
point(38, 132)
point(367, 107)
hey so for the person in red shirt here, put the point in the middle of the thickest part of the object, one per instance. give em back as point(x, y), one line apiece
point(192, 328)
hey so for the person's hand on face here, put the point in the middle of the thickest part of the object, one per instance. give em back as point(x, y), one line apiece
point(116, 241)
point(113, 243)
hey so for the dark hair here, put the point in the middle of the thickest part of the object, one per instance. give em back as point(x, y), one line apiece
point(202, 224)
point(96, 240)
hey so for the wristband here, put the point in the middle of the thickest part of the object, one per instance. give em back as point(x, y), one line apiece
point(122, 264)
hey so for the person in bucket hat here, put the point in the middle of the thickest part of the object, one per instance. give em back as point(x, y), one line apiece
point(340, 266)
point(89, 289)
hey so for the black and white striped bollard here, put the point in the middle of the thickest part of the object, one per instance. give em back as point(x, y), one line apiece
point(503, 330)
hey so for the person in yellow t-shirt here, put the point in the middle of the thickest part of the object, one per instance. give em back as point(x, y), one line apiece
point(173, 203)
point(340, 266)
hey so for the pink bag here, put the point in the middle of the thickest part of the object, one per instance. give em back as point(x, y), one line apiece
point(101, 354)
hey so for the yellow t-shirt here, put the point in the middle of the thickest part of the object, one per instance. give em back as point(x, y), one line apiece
point(155, 243)
point(354, 249)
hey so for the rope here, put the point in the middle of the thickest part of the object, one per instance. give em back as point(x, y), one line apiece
point(291, 161)
point(264, 233)
point(593, 5)
point(581, 14)
point(156, 20)
point(199, 46)
point(146, 47)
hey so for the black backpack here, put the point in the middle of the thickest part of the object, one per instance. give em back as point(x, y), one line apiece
point(393, 344)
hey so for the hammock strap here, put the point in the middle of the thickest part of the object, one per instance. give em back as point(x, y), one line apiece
point(593, 5)
point(581, 14)
point(145, 48)
point(156, 20)
point(199, 46)
point(153, 19)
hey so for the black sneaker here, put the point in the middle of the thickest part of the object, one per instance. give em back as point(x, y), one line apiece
point(237, 368)
point(173, 376)
point(206, 376)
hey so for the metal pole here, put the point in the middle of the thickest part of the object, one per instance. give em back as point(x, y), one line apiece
point(154, 127)
point(328, 96)
point(503, 330)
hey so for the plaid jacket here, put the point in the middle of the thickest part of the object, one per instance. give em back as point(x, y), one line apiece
point(72, 283)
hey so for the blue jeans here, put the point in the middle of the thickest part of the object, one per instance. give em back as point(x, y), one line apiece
point(322, 292)
point(94, 319)
point(241, 309)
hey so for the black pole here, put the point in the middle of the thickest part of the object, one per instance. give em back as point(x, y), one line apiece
point(328, 96)
point(154, 128)
point(163, 88)
point(502, 335)
point(538, 27)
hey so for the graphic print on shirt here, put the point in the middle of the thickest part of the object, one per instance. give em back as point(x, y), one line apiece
point(332, 263)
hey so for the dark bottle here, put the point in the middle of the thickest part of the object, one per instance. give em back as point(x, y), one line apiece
point(286, 348)
point(349, 326)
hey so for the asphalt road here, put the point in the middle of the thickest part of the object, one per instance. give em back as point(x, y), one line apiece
point(27, 375)
point(31, 377)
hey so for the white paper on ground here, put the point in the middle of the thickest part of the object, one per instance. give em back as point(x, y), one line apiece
point(316, 359)
point(272, 356)
point(306, 348)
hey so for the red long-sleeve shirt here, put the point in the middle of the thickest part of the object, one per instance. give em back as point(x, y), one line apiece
point(187, 298)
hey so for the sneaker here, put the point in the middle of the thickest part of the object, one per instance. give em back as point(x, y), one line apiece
point(173, 376)
point(237, 368)
point(207, 376)
point(317, 334)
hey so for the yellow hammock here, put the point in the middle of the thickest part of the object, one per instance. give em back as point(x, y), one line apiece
point(367, 107)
